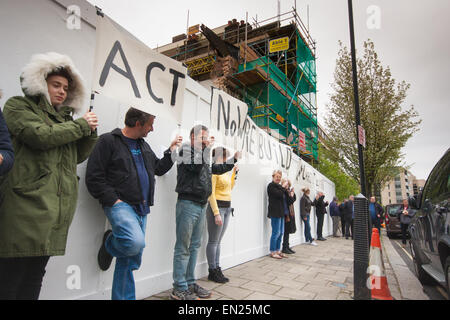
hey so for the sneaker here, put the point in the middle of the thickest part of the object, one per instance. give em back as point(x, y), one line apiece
point(313, 243)
point(182, 295)
point(215, 276)
point(104, 259)
point(290, 251)
point(286, 250)
point(221, 275)
point(199, 291)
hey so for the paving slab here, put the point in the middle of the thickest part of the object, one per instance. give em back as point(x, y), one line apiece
point(324, 272)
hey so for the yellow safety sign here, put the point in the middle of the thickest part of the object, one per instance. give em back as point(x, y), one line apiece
point(279, 44)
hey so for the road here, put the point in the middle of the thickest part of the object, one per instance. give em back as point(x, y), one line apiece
point(433, 292)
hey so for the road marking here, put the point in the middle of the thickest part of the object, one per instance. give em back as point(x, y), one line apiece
point(401, 247)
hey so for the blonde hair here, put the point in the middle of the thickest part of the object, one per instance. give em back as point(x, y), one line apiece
point(305, 190)
point(277, 171)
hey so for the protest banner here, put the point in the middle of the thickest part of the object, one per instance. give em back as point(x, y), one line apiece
point(127, 70)
point(239, 132)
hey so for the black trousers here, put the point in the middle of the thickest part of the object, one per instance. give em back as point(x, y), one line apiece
point(343, 225)
point(376, 224)
point(285, 239)
point(319, 225)
point(21, 278)
point(349, 228)
point(404, 231)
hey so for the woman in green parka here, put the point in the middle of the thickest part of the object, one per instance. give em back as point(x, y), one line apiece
point(39, 195)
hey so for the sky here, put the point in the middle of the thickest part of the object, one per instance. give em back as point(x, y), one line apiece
point(410, 36)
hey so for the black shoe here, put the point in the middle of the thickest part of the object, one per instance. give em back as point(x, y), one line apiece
point(291, 251)
point(321, 239)
point(104, 258)
point(286, 250)
point(221, 275)
point(215, 276)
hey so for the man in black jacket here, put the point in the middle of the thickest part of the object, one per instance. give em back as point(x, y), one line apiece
point(121, 175)
point(321, 210)
point(194, 186)
point(349, 216)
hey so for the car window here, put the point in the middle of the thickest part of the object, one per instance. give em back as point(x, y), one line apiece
point(438, 182)
point(392, 210)
point(440, 188)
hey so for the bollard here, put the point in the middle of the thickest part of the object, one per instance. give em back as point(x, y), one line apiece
point(361, 248)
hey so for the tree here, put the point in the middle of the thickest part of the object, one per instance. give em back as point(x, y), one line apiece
point(388, 127)
point(344, 185)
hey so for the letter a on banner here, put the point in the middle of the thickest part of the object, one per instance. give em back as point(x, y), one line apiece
point(130, 72)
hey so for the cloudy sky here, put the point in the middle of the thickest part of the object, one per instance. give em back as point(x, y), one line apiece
point(410, 36)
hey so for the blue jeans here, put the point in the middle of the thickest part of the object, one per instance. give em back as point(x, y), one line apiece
point(277, 234)
point(190, 224)
point(126, 243)
point(308, 237)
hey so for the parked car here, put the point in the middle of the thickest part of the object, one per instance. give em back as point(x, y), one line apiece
point(392, 220)
point(430, 228)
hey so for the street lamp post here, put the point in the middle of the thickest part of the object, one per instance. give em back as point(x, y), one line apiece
point(361, 226)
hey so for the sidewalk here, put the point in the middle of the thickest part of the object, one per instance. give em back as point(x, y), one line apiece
point(324, 272)
point(398, 273)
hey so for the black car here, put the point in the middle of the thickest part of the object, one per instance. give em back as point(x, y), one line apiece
point(430, 228)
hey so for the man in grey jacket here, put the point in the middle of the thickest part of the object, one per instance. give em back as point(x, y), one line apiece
point(405, 214)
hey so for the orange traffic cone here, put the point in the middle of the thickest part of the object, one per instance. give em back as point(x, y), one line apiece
point(378, 280)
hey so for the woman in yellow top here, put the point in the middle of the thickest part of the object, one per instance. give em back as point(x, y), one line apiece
point(218, 214)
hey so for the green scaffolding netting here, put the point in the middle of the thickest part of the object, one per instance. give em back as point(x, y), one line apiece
point(296, 108)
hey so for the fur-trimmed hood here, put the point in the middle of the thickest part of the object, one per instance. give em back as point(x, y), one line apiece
point(33, 78)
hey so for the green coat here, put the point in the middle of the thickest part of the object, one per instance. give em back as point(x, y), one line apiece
point(39, 195)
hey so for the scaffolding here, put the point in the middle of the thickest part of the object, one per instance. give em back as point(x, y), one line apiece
point(279, 87)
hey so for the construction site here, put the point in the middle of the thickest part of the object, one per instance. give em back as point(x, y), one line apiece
point(268, 64)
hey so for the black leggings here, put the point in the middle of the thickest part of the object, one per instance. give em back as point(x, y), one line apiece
point(21, 278)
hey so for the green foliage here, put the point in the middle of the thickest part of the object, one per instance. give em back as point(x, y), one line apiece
point(345, 185)
point(388, 127)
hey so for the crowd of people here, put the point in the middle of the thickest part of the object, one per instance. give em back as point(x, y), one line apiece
point(40, 146)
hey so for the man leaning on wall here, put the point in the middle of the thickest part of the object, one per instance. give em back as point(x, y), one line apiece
point(121, 175)
point(194, 186)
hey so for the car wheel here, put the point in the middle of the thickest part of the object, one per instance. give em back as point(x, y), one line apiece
point(422, 275)
point(447, 276)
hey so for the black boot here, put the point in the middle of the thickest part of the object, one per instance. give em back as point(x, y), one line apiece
point(286, 250)
point(104, 259)
point(214, 276)
point(221, 275)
